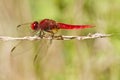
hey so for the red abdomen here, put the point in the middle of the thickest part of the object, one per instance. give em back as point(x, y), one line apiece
point(68, 26)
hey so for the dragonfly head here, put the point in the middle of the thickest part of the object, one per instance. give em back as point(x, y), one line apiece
point(34, 25)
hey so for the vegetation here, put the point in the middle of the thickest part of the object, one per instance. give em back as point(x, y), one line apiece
point(93, 59)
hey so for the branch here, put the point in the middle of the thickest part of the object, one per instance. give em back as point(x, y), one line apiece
point(89, 36)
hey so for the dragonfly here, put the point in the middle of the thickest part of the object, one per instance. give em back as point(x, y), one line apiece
point(50, 26)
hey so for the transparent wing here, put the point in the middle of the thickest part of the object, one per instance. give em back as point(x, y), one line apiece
point(37, 48)
point(24, 30)
point(41, 50)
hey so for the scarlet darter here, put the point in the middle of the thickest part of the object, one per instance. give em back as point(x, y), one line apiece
point(51, 26)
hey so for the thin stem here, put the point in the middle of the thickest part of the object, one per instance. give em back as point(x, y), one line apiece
point(90, 36)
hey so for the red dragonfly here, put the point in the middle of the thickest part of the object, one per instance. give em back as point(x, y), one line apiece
point(51, 26)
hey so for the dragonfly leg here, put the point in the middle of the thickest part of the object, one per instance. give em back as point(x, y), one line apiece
point(52, 35)
point(60, 37)
point(41, 34)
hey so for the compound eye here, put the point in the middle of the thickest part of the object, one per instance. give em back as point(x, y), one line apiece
point(34, 25)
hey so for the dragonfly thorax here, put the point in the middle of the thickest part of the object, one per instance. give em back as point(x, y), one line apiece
point(47, 25)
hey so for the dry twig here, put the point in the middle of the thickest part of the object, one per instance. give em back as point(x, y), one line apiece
point(89, 36)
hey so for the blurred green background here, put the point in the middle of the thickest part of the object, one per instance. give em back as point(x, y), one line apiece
point(94, 59)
